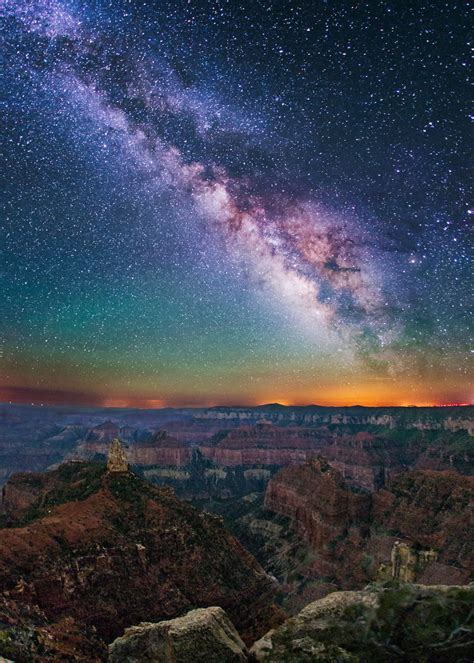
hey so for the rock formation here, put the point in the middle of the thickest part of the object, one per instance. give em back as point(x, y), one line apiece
point(316, 497)
point(265, 444)
point(205, 635)
point(160, 449)
point(28, 636)
point(422, 418)
point(384, 623)
point(434, 511)
point(408, 563)
point(152, 449)
point(117, 459)
point(381, 624)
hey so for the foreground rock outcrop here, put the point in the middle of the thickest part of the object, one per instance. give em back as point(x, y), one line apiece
point(391, 623)
point(108, 550)
point(205, 635)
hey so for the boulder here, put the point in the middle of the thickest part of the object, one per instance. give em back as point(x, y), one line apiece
point(204, 635)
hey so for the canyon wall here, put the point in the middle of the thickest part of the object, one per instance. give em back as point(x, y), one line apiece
point(353, 534)
point(367, 454)
point(423, 418)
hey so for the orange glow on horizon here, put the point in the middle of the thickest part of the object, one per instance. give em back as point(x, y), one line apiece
point(332, 398)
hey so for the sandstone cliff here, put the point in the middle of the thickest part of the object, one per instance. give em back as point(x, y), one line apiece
point(264, 444)
point(161, 449)
point(432, 510)
point(352, 534)
point(316, 497)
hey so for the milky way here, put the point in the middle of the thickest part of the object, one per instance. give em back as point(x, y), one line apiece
point(217, 203)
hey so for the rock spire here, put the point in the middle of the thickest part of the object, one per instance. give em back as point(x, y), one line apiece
point(117, 460)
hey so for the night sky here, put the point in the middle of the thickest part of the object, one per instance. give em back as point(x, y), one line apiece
point(236, 203)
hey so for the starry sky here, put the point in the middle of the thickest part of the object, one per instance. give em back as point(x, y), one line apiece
point(219, 202)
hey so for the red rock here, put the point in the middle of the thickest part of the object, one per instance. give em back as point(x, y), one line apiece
point(352, 534)
point(316, 498)
point(161, 449)
point(111, 550)
point(264, 444)
point(433, 509)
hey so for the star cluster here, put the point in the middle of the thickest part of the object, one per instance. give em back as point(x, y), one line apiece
point(220, 202)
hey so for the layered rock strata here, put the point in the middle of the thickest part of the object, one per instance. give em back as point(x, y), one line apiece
point(353, 533)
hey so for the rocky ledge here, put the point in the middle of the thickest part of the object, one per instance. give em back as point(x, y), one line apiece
point(384, 623)
point(205, 635)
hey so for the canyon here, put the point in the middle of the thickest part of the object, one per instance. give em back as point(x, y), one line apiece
point(280, 506)
point(230, 451)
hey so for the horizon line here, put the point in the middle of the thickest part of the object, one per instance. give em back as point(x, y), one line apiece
point(230, 407)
